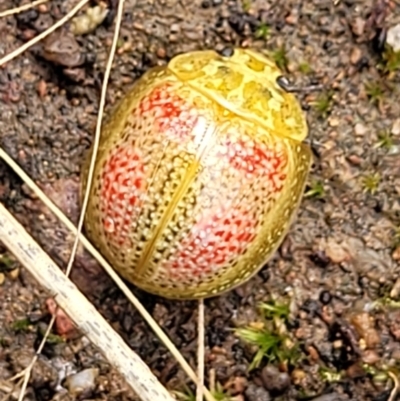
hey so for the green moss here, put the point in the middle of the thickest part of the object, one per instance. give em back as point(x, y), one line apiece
point(6, 263)
point(21, 325)
point(270, 337)
point(246, 5)
point(370, 183)
point(316, 190)
point(262, 32)
point(305, 68)
point(385, 140)
point(390, 60)
point(374, 91)
point(218, 393)
point(280, 58)
point(323, 104)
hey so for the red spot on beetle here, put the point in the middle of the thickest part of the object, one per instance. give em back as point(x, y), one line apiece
point(122, 183)
point(174, 117)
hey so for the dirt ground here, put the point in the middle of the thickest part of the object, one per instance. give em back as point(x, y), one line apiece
point(337, 270)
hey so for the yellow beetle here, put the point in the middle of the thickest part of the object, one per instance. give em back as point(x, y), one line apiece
point(200, 170)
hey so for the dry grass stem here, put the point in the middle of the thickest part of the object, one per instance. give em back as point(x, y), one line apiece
point(395, 390)
point(200, 350)
point(22, 8)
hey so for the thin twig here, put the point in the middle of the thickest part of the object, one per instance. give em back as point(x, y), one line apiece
point(107, 267)
point(42, 35)
point(200, 351)
point(97, 135)
point(395, 390)
point(80, 310)
point(22, 8)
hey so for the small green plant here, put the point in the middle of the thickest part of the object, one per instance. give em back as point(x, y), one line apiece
point(390, 60)
point(385, 140)
point(217, 392)
point(305, 68)
point(220, 394)
point(262, 32)
point(6, 263)
point(274, 310)
point(186, 395)
point(246, 5)
point(51, 338)
point(270, 337)
point(316, 190)
point(280, 58)
point(375, 92)
point(21, 325)
point(330, 376)
point(370, 183)
point(323, 104)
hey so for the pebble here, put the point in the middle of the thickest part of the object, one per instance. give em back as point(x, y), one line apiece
point(370, 357)
point(161, 52)
point(274, 380)
point(13, 274)
point(82, 382)
point(396, 254)
point(89, 21)
point(395, 291)
point(335, 252)
point(357, 26)
point(334, 122)
point(360, 129)
point(364, 324)
point(325, 297)
point(393, 37)
point(355, 55)
point(256, 393)
point(396, 127)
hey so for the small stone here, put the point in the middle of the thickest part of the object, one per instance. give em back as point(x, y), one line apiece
point(364, 324)
point(333, 122)
point(256, 393)
point(2, 278)
point(370, 357)
point(360, 129)
point(13, 274)
point(82, 382)
point(313, 353)
point(336, 252)
point(161, 53)
point(298, 375)
point(274, 380)
point(396, 127)
point(395, 291)
point(355, 371)
point(355, 55)
point(89, 21)
point(175, 28)
point(325, 297)
point(355, 160)
point(393, 37)
point(357, 26)
point(292, 18)
point(42, 88)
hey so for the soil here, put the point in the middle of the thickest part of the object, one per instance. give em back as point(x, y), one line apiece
point(338, 268)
